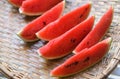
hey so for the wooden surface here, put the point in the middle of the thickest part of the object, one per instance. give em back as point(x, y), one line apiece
point(18, 57)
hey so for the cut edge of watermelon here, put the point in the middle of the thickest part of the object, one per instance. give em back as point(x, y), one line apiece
point(25, 40)
point(17, 6)
point(52, 75)
point(49, 58)
point(39, 13)
point(75, 72)
point(74, 52)
point(108, 40)
point(39, 53)
point(19, 33)
point(112, 7)
point(81, 51)
point(29, 14)
point(38, 36)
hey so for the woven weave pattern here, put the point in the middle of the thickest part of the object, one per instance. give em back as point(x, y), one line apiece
point(22, 57)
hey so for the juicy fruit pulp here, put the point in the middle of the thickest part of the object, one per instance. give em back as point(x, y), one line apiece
point(83, 59)
point(28, 32)
point(37, 7)
point(64, 23)
point(65, 43)
point(16, 3)
point(98, 32)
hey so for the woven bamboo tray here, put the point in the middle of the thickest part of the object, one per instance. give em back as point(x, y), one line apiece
point(19, 60)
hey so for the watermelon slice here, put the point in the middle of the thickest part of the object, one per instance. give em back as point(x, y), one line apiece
point(98, 32)
point(37, 7)
point(16, 3)
point(83, 59)
point(28, 32)
point(65, 43)
point(64, 23)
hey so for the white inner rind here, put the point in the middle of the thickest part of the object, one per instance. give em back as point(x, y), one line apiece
point(28, 13)
point(19, 34)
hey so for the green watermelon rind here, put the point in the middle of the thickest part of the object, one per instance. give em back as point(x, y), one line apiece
point(109, 41)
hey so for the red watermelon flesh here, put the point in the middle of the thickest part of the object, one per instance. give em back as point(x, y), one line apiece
point(37, 7)
point(16, 3)
point(63, 45)
point(83, 59)
point(28, 32)
point(64, 23)
point(98, 32)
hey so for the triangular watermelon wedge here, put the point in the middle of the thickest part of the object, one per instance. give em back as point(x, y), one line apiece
point(28, 32)
point(37, 7)
point(98, 32)
point(83, 60)
point(64, 44)
point(65, 23)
